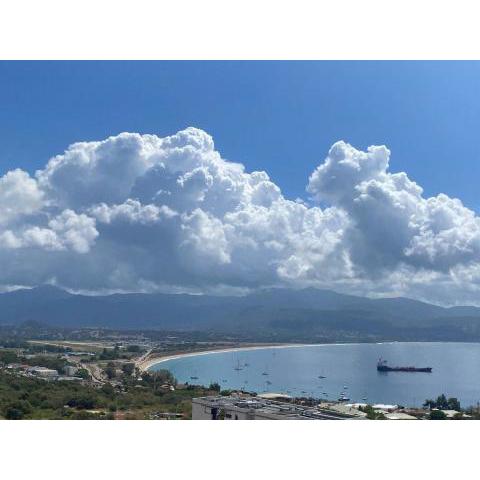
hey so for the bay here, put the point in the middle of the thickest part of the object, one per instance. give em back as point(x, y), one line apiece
point(349, 368)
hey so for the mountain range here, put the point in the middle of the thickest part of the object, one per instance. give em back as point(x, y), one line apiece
point(273, 315)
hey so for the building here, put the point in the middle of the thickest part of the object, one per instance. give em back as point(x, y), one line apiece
point(247, 407)
point(43, 372)
point(70, 370)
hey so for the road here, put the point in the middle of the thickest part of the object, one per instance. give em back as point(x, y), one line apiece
point(93, 369)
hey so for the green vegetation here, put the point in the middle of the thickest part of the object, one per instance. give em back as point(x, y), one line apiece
point(371, 413)
point(133, 348)
point(128, 368)
point(30, 398)
point(215, 387)
point(443, 403)
point(55, 363)
point(82, 373)
point(437, 415)
point(158, 378)
point(8, 356)
point(110, 370)
point(110, 354)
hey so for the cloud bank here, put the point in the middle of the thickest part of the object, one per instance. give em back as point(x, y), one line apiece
point(143, 213)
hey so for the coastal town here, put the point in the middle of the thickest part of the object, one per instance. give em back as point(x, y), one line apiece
point(96, 374)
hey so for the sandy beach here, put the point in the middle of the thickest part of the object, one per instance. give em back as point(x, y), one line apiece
point(149, 362)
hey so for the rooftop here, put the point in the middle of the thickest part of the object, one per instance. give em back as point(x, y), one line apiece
point(270, 408)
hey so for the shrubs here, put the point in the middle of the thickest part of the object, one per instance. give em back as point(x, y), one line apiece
point(128, 368)
point(85, 402)
point(17, 410)
point(443, 403)
point(31, 398)
point(437, 415)
point(371, 413)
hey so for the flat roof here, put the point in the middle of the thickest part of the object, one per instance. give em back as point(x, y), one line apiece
point(269, 408)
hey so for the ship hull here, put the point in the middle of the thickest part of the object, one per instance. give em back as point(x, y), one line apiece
point(384, 368)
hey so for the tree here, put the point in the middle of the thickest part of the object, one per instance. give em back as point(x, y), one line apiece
point(108, 390)
point(83, 401)
point(214, 386)
point(110, 370)
point(128, 369)
point(133, 348)
point(7, 357)
point(163, 376)
point(437, 415)
point(17, 410)
point(13, 414)
point(371, 413)
point(453, 404)
point(83, 373)
point(429, 403)
point(443, 403)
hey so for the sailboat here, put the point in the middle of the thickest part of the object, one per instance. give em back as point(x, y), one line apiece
point(238, 367)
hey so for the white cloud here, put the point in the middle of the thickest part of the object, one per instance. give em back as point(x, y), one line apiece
point(139, 212)
point(19, 195)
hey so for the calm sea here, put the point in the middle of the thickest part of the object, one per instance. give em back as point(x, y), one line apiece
point(349, 368)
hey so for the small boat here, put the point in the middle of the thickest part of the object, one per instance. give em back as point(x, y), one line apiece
point(246, 364)
point(345, 387)
point(238, 367)
point(322, 376)
point(193, 378)
point(364, 398)
point(268, 382)
point(343, 398)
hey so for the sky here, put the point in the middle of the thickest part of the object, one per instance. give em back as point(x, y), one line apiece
point(181, 204)
point(281, 117)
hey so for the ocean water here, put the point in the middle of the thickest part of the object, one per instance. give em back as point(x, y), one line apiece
point(349, 368)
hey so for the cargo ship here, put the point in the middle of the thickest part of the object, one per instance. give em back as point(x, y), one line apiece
point(383, 367)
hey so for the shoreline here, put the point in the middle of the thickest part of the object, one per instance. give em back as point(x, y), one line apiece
point(149, 363)
point(145, 365)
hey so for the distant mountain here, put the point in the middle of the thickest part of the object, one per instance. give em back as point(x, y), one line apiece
point(276, 314)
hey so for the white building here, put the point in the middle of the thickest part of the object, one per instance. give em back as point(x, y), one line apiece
point(246, 407)
point(43, 372)
point(70, 370)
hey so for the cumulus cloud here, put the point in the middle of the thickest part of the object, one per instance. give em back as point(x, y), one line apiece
point(19, 195)
point(143, 213)
point(392, 224)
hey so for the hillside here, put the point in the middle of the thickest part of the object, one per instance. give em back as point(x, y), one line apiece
point(276, 314)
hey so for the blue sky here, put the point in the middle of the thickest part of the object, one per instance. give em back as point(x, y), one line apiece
point(166, 212)
point(276, 116)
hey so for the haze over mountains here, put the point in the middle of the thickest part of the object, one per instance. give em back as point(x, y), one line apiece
point(276, 314)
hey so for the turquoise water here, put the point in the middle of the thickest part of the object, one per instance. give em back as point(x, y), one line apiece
point(349, 368)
